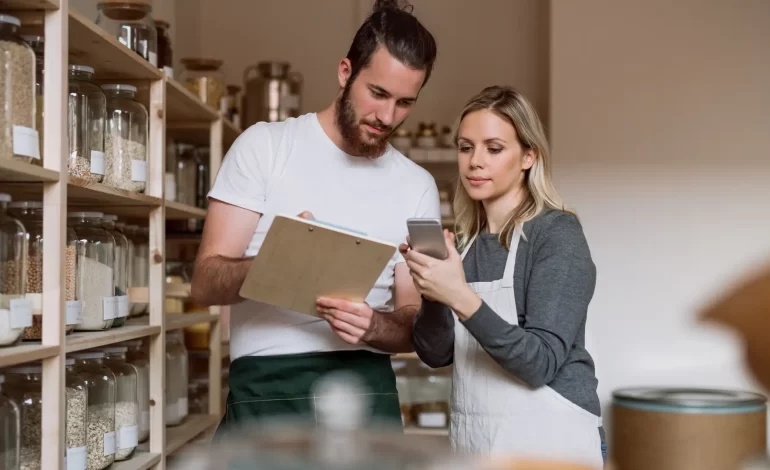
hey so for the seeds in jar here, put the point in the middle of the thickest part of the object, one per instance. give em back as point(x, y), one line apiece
point(31, 433)
point(94, 281)
point(77, 403)
point(101, 422)
point(18, 80)
point(10, 278)
point(126, 416)
point(119, 154)
point(80, 167)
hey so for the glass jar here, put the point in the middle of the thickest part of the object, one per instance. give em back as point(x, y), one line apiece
point(204, 79)
point(121, 270)
point(137, 357)
point(15, 310)
point(18, 136)
point(202, 177)
point(170, 176)
point(95, 264)
point(24, 386)
point(198, 392)
point(402, 386)
point(176, 378)
point(130, 21)
point(125, 139)
point(427, 135)
point(100, 383)
point(37, 43)
point(165, 51)
point(85, 118)
point(30, 214)
point(76, 396)
point(186, 171)
point(140, 264)
point(126, 401)
point(430, 395)
point(231, 104)
point(10, 441)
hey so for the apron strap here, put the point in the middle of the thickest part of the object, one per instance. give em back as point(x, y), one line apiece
point(467, 247)
point(510, 264)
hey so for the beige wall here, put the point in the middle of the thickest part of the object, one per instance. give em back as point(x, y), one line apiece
point(660, 113)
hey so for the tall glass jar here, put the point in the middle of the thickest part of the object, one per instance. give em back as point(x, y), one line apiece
point(140, 264)
point(202, 177)
point(170, 176)
point(130, 21)
point(24, 386)
point(125, 139)
point(30, 214)
point(15, 310)
point(85, 117)
point(165, 51)
point(137, 357)
point(100, 383)
point(18, 136)
point(95, 265)
point(10, 441)
point(204, 79)
point(186, 178)
point(176, 378)
point(126, 401)
point(121, 270)
point(198, 391)
point(76, 397)
point(37, 43)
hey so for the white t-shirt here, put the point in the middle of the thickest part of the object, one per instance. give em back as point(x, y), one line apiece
point(292, 166)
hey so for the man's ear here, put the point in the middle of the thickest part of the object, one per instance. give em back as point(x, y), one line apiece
point(344, 70)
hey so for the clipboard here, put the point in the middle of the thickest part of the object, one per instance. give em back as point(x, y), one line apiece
point(301, 260)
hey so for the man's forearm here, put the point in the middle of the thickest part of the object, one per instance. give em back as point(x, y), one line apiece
point(392, 331)
point(217, 280)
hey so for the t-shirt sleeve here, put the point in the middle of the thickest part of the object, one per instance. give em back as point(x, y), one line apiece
point(429, 207)
point(243, 176)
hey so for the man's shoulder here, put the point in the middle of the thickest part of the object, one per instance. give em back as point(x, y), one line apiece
point(411, 171)
point(273, 130)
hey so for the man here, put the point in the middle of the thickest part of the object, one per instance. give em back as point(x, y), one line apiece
point(338, 167)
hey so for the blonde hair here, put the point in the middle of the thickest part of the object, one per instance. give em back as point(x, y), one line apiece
point(540, 193)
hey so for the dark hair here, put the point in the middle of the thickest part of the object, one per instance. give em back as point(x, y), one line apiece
point(394, 27)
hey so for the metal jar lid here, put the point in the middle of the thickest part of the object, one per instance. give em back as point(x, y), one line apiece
point(690, 400)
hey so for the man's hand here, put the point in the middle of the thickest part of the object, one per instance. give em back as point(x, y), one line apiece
point(351, 321)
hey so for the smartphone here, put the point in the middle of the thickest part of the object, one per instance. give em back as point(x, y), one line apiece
point(426, 236)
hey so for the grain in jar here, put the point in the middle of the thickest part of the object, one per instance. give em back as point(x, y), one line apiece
point(126, 401)
point(76, 396)
point(100, 384)
point(95, 263)
point(125, 139)
point(30, 214)
point(18, 136)
point(10, 431)
point(24, 386)
point(86, 110)
point(204, 79)
point(37, 43)
point(137, 357)
point(15, 310)
point(120, 270)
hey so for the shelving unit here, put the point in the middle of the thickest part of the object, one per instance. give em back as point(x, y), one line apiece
point(73, 38)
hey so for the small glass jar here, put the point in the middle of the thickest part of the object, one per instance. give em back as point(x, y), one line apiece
point(165, 51)
point(204, 79)
point(170, 176)
point(198, 392)
point(121, 270)
point(231, 105)
point(402, 386)
point(430, 395)
point(186, 171)
point(18, 136)
point(445, 140)
point(126, 401)
point(202, 177)
point(15, 310)
point(37, 43)
point(76, 396)
point(95, 265)
point(130, 21)
point(10, 439)
point(100, 383)
point(85, 118)
point(30, 214)
point(137, 357)
point(140, 264)
point(427, 135)
point(176, 378)
point(125, 139)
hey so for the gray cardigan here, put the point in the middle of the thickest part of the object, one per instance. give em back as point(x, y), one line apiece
point(554, 282)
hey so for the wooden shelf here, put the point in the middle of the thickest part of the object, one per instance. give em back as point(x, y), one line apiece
point(178, 211)
point(81, 340)
point(139, 461)
point(14, 170)
point(415, 431)
point(90, 45)
point(29, 4)
point(176, 321)
point(183, 106)
point(405, 356)
point(178, 436)
point(25, 352)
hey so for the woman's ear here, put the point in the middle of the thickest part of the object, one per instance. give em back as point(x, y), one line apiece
point(528, 159)
point(344, 69)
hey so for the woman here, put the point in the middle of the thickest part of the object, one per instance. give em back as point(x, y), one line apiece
point(510, 312)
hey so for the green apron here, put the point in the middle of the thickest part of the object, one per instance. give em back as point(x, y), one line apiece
point(271, 387)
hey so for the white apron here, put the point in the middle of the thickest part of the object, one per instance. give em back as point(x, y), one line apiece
point(494, 413)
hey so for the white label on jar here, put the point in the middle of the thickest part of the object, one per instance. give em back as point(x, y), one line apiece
point(110, 305)
point(138, 170)
point(73, 312)
point(37, 302)
point(153, 58)
point(21, 313)
point(76, 458)
point(123, 306)
point(431, 420)
point(170, 187)
point(109, 443)
point(168, 71)
point(129, 437)
point(97, 162)
point(144, 421)
point(25, 142)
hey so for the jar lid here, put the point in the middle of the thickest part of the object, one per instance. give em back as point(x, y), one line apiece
point(81, 68)
point(110, 217)
point(688, 398)
point(5, 197)
point(88, 355)
point(403, 133)
point(26, 205)
point(10, 20)
point(27, 369)
point(85, 215)
point(33, 38)
point(201, 63)
point(119, 87)
point(128, 10)
point(114, 349)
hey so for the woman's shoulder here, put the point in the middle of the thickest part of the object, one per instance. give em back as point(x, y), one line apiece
point(553, 225)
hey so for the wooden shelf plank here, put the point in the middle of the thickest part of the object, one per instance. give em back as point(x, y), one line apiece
point(178, 436)
point(90, 45)
point(175, 321)
point(194, 133)
point(184, 106)
point(93, 339)
point(415, 431)
point(139, 461)
point(14, 170)
point(29, 4)
point(405, 356)
point(178, 211)
point(26, 352)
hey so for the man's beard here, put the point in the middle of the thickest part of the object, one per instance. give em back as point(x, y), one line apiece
point(350, 129)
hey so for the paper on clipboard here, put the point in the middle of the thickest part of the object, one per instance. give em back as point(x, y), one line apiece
point(301, 260)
